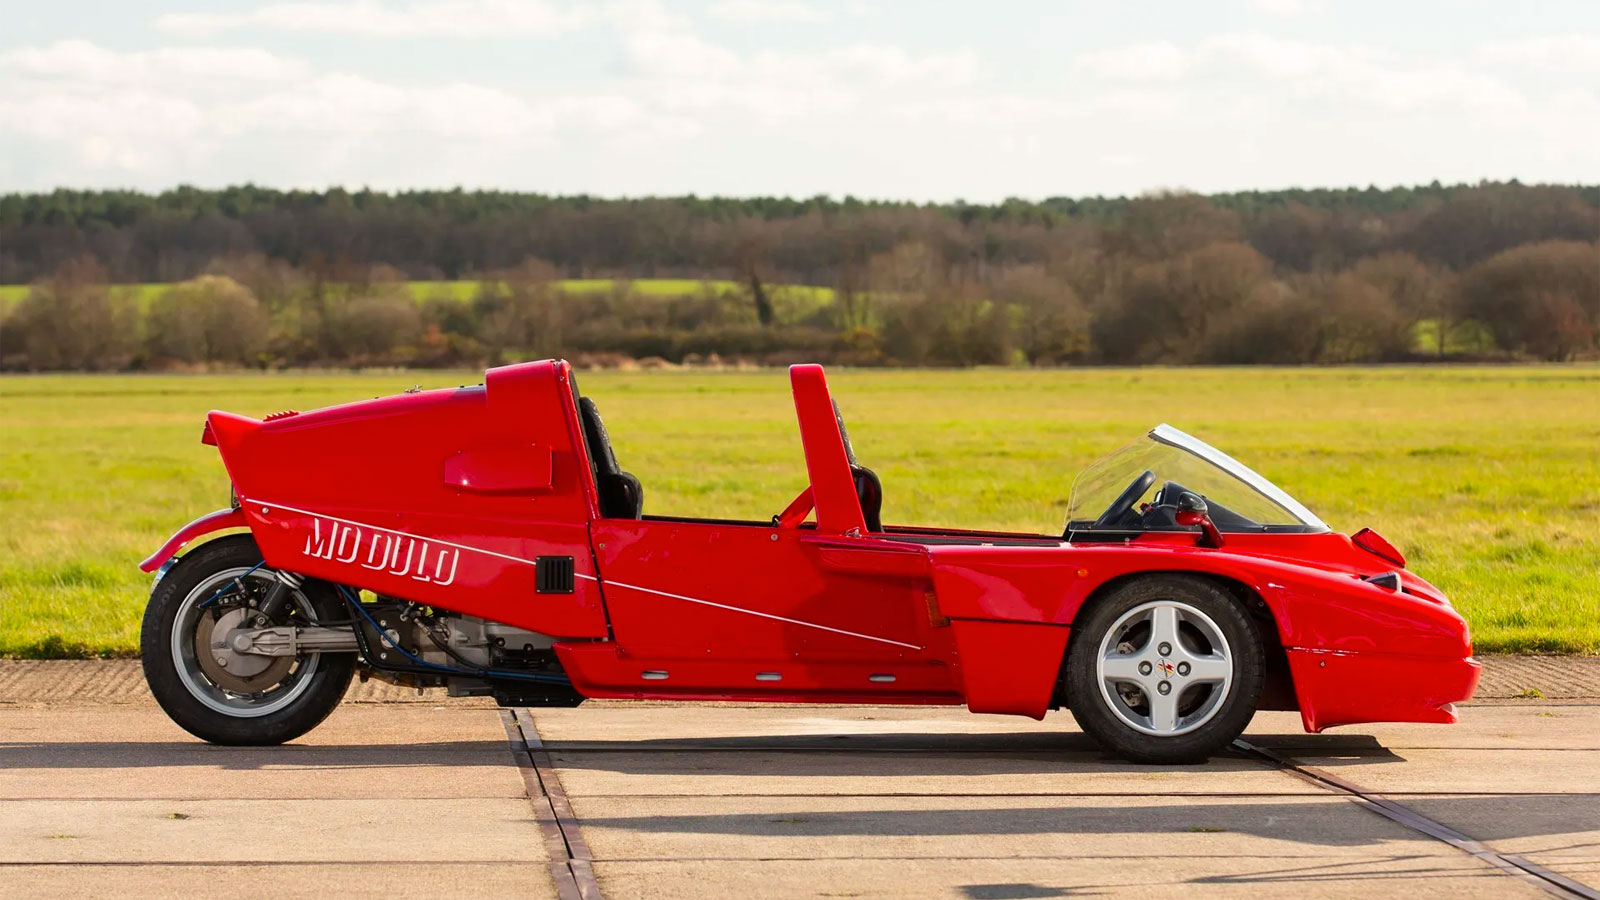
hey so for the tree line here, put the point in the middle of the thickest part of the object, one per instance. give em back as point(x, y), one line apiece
point(269, 278)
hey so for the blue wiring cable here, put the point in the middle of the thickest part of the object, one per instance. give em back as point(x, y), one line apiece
point(355, 603)
point(213, 598)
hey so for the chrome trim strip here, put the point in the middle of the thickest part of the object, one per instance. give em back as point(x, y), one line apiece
point(1172, 437)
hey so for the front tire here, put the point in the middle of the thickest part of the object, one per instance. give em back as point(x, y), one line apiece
point(231, 698)
point(1164, 669)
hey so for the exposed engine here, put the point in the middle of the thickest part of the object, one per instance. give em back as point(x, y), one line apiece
point(437, 648)
point(488, 645)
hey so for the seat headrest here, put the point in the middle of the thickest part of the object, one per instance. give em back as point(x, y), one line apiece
point(594, 431)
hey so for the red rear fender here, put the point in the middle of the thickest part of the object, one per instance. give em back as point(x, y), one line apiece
point(216, 521)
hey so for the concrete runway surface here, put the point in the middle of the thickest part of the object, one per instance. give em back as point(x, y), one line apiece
point(105, 797)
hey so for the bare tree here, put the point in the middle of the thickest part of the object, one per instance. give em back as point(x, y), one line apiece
point(1542, 299)
point(73, 320)
point(210, 318)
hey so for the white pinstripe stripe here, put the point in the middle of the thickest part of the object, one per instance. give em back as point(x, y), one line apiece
point(528, 562)
point(751, 612)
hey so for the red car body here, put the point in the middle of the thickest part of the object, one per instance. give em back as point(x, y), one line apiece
point(451, 499)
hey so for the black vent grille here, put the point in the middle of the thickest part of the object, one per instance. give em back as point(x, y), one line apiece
point(553, 574)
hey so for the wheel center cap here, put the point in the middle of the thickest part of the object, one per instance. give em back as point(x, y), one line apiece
point(1165, 668)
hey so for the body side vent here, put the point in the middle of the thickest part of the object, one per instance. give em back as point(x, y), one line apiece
point(553, 575)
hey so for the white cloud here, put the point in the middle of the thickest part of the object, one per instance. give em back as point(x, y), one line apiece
point(1556, 53)
point(676, 70)
point(769, 11)
point(163, 111)
point(1357, 76)
point(642, 15)
point(881, 64)
point(121, 117)
point(680, 54)
point(659, 107)
point(83, 61)
point(1151, 61)
point(1278, 57)
point(348, 105)
point(659, 54)
point(140, 110)
point(1264, 67)
point(1285, 7)
point(370, 18)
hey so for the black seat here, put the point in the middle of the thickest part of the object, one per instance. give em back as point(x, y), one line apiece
point(621, 494)
point(869, 490)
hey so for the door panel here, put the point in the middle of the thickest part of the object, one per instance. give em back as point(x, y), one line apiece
point(686, 590)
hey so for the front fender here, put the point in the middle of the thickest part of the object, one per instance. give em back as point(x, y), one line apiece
point(1358, 652)
point(1316, 608)
point(216, 521)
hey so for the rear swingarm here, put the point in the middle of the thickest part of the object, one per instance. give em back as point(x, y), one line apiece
point(287, 640)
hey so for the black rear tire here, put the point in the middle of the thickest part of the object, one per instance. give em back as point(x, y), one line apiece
point(1094, 712)
point(326, 686)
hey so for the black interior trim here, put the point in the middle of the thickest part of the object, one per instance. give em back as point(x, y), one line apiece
point(941, 541)
point(695, 520)
point(869, 487)
point(621, 494)
point(934, 531)
point(869, 491)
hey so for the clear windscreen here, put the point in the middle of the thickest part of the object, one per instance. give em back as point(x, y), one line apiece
point(1237, 495)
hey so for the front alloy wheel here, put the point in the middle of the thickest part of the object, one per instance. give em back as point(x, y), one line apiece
point(1164, 669)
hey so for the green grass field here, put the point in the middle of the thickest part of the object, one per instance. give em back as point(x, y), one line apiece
point(1487, 478)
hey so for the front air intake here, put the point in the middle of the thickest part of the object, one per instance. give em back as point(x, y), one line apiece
point(553, 575)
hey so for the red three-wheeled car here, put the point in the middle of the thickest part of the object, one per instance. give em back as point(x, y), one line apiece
point(484, 539)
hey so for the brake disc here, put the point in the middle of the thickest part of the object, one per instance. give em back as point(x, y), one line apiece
point(242, 673)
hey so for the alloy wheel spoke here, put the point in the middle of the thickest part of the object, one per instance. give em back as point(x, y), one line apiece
point(1164, 627)
point(1163, 710)
point(1121, 668)
point(1209, 668)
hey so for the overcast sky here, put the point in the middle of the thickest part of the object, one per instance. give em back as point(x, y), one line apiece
point(978, 99)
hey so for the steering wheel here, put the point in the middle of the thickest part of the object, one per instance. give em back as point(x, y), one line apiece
point(1125, 500)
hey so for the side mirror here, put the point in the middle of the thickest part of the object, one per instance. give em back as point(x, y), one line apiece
point(1192, 510)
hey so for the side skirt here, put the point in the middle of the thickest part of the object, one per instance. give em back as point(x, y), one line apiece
point(601, 669)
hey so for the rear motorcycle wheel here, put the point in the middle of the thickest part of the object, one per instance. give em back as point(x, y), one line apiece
point(216, 693)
